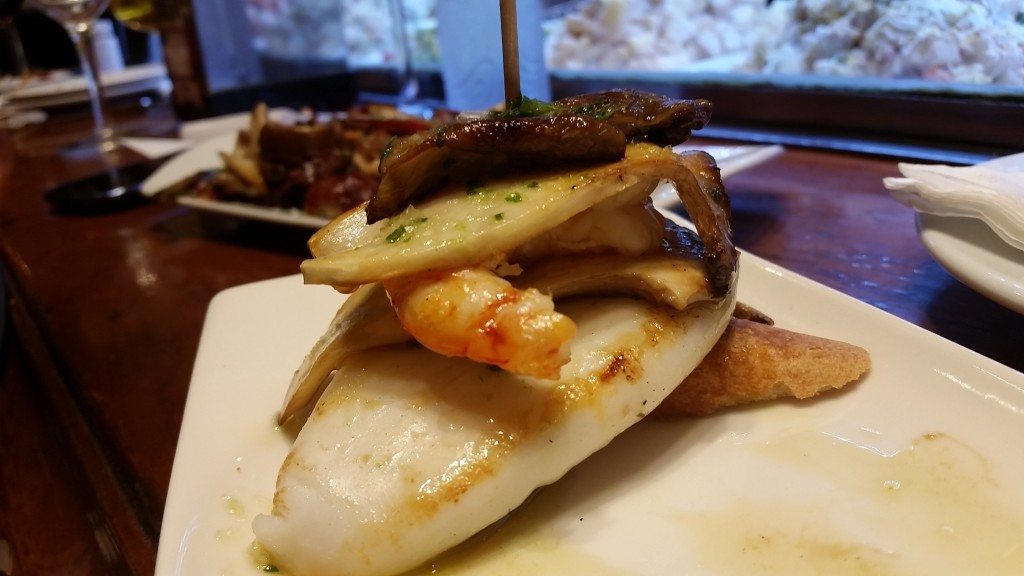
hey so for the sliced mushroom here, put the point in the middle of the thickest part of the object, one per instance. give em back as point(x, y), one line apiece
point(588, 129)
point(466, 226)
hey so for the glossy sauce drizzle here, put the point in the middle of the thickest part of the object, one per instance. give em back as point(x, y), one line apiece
point(933, 508)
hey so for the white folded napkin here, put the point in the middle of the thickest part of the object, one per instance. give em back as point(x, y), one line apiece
point(155, 147)
point(991, 191)
point(206, 128)
point(196, 131)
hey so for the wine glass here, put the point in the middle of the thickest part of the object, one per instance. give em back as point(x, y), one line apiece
point(113, 188)
point(79, 18)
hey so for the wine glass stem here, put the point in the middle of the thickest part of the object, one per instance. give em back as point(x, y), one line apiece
point(82, 35)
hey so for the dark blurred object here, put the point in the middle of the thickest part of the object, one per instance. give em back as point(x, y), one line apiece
point(113, 190)
point(13, 55)
point(184, 62)
point(46, 44)
point(138, 47)
point(9, 8)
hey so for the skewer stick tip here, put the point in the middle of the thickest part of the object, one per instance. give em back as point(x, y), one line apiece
point(510, 50)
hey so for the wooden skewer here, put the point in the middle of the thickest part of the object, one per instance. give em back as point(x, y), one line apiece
point(510, 50)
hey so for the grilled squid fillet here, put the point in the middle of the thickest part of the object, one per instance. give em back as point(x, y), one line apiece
point(408, 453)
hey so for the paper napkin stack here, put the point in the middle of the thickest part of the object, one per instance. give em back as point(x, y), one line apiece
point(992, 191)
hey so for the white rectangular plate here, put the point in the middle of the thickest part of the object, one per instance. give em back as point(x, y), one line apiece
point(917, 469)
point(64, 90)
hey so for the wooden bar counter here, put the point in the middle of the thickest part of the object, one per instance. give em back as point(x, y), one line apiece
point(105, 312)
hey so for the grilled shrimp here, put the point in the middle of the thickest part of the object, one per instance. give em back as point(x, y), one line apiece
point(475, 313)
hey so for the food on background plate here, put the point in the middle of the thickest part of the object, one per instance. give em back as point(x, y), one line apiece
point(503, 324)
point(320, 166)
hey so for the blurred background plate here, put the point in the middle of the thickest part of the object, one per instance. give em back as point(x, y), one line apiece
point(72, 90)
point(969, 250)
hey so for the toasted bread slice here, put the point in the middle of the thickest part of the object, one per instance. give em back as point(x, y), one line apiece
point(754, 362)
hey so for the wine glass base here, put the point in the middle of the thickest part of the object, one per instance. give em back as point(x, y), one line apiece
point(116, 188)
point(92, 147)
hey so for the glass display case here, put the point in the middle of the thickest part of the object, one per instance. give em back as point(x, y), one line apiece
point(946, 72)
point(969, 46)
point(864, 74)
point(228, 54)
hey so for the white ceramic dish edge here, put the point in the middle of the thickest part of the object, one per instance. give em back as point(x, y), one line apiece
point(970, 251)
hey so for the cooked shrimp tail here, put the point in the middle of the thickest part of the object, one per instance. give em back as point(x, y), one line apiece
point(475, 313)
